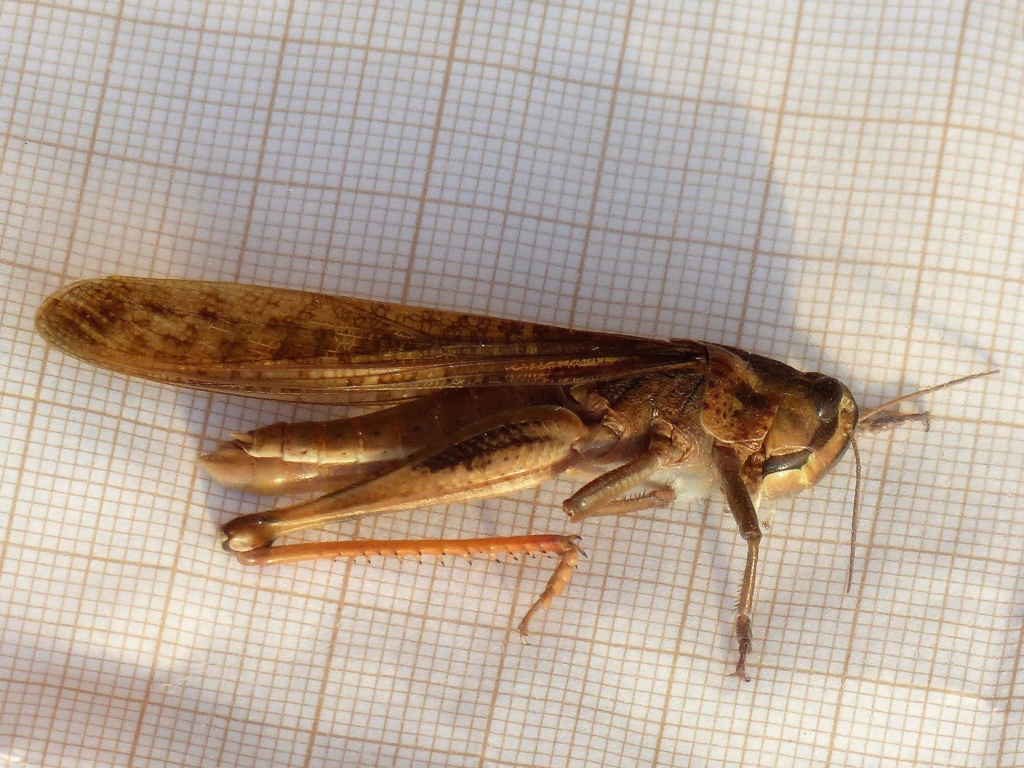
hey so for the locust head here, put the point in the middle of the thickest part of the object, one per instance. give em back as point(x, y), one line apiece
point(812, 429)
point(816, 422)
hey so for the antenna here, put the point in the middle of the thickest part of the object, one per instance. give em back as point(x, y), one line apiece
point(884, 417)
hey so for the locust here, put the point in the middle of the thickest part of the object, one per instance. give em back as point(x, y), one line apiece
point(466, 407)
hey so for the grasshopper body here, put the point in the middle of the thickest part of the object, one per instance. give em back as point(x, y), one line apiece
point(470, 407)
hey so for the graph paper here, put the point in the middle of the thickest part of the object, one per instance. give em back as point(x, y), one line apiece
point(838, 186)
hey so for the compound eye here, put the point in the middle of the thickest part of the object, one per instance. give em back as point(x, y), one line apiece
point(827, 394)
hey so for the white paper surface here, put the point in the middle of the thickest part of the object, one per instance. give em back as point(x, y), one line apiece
point(836, 186)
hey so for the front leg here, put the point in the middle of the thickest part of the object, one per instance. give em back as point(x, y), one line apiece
point(606, 494)
point(729, 469)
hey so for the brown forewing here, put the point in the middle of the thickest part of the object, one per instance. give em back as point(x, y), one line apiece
point(274, 342)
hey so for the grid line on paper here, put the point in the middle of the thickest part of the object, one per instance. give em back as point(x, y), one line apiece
point(1016, 673)
point(807, 257)
point(793, 112)
point(261, 155)
point(613, 103)
point(442, 104)
point(146, 703)
point(869, 544)
point(744, 303)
